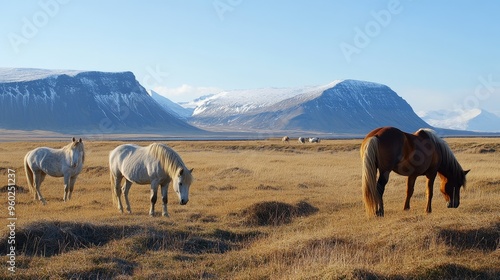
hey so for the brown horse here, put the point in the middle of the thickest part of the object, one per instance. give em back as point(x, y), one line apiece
point(422, 153)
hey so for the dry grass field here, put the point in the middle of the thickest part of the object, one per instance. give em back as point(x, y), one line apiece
point(257, 210)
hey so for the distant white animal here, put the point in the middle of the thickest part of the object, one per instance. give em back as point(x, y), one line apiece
point(285, 139)
point(66, 162)
point(314, 140)
point(157, 165)
point(301, 140)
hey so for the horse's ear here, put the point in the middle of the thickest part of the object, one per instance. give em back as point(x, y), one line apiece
point(80, 140)
point(466, 171)
point(191, 170)
point(74, 140)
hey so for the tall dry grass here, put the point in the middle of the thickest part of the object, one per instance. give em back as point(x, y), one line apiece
point(258, 210)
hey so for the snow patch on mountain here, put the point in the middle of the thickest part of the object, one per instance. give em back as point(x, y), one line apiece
point(9, 75)
point(171, 106)
point(255, 100)
point(343, 106)
point(94, 102)
point(473, 119)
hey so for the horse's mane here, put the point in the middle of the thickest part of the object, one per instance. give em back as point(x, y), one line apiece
point(70, 146)
point(449, 160)
point(169, 159)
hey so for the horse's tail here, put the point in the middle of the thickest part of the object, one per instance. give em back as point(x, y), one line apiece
point(29, 175)
point(369, 157)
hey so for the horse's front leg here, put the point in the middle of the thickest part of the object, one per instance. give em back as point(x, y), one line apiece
point(154, 197)
point(410, 187)
point(71, 186)
point(67, 182)
point(164, 198)
point(429, 192)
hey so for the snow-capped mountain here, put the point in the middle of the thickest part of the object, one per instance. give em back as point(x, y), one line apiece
point(240, 102)
point(343, 106)
point(193, 104)
point(77, 101)
point(9, 75)
point(473, 120)
point(170, 106)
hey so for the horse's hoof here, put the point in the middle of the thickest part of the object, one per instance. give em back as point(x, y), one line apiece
point(165, 215)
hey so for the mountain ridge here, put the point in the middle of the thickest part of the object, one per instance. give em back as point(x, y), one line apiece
point(90, 101)
point(342, 106)
point(474, 119)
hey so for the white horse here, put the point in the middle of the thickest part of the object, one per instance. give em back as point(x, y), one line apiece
point(156, 164)
point(301, 140)
point(66, 162)
point(314, 140)
point(285, 139)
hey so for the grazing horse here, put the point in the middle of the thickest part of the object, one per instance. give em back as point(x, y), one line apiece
point(301, 140)
point(422, 153)
point(66, 162)
point(314, 140)
point(285, 139)
point(156, 164)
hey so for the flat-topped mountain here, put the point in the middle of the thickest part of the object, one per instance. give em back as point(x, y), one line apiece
point(344, 106)
point(78, 101)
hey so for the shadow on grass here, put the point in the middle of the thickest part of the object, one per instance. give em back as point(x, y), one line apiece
point(53, 238)
point(275, 213)
point(448, 271)
point(484, 239)
point(47, 239)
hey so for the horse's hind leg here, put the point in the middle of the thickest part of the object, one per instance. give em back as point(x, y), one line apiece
point(39, 177)
point(126, 189)
point(117, 191)
point(410, 186)
point(382, 181)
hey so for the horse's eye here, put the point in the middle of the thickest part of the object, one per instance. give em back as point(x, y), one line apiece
point(180, 184)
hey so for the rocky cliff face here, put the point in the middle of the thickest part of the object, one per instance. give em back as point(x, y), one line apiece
point(72, 101)
point(347, 106)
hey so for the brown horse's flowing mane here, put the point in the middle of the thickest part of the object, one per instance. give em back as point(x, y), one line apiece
point(169, 159)
point(449, 163)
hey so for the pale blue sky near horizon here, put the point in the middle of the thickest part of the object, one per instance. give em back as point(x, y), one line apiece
point(435, 54)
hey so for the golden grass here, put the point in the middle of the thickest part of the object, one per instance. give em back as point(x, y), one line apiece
point(218, 234)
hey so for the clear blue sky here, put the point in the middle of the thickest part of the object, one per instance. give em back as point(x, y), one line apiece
point(435, 54)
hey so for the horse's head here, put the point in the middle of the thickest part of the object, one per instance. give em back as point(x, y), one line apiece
point(182, 182)
point(450, 187)
point(77, 153)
